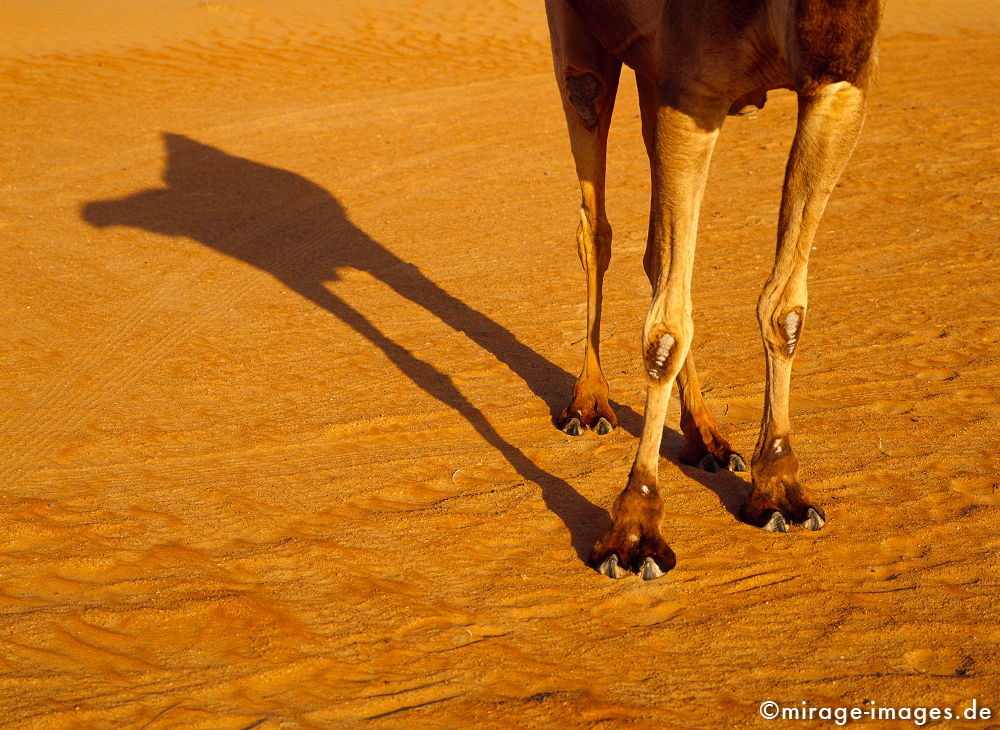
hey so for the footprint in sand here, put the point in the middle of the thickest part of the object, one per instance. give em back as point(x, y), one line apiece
point(937, 662)
point(985, 489)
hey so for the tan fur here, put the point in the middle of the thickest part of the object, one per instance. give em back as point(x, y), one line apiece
point(695, 62)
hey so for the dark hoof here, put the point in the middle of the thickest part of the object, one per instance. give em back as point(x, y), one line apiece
point(611, 568)
point(736, 463)
point(573, 427)
point(776, 523)
point(650, 570)
point(649, 556)
point(603, 426)
point(709, 463)
point(814, 520)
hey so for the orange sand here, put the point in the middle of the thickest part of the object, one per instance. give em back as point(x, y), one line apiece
point(289, 293)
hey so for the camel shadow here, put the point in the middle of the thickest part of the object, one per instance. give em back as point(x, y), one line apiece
point(293, 229)
point(288, 226)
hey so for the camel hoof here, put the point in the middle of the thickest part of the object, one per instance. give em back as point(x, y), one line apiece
point(603, 426)
point(709, 463)
point(573, 427)
point(776, 523)
point(611, 568)
point(650, 570)
point(814, 520)
point(736, 463)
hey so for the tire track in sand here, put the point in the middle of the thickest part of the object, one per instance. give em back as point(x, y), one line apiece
point(64, 391)
point(67, 401)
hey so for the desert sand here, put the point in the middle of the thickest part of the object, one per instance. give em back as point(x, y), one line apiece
point(290, 295)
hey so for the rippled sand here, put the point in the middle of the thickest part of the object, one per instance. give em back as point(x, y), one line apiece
point(289, 293)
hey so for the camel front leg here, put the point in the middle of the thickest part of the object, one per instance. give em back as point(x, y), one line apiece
point(704, 445)
point(684, 137)
point(830, 120)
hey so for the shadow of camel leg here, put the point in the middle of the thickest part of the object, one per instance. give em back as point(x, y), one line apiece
point(578, 514)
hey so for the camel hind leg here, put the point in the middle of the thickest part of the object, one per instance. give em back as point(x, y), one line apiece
point(830, 118)
point(588, 80)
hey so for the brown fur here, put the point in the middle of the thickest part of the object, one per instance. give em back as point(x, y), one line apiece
point(696, 61)
point(835, 39)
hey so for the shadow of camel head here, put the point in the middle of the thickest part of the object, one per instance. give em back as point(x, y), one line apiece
point(270, 218)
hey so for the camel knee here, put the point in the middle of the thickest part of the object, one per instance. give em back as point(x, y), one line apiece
point(791, 326)
point(781, 324)
point(665, 345)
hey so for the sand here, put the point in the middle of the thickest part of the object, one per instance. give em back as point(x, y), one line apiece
point(290, 294)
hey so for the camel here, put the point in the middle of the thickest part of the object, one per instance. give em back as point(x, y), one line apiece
point(695, 62)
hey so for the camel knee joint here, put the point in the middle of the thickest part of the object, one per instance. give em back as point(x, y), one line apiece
point(780, 327)
point(660, 356)
point(791, 327)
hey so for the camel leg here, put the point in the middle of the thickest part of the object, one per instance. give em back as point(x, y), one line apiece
point(588, 79)
point(683, 139)
point(829, 121)
point(703, 446)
